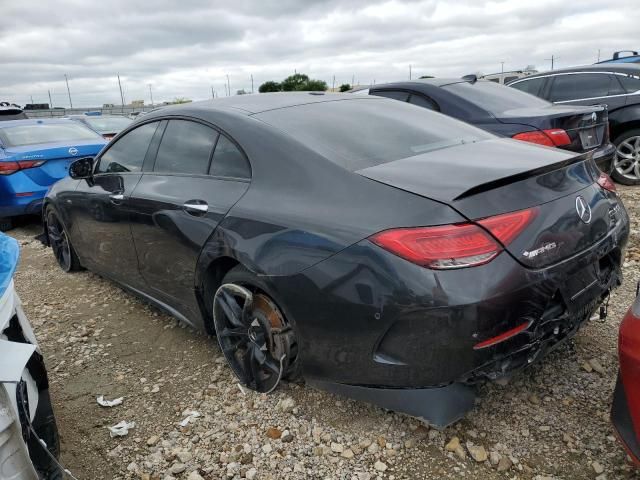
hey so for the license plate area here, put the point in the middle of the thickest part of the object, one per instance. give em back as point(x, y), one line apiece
point(578, 285)
point(591, 137)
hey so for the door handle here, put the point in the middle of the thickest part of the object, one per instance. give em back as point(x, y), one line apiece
point(117, 197)
point(196, 207)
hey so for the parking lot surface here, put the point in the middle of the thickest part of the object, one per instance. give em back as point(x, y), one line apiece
point(193, 421)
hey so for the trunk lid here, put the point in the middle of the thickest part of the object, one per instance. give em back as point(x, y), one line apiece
point(56, 158)
point(587, 127)
point(499, 176)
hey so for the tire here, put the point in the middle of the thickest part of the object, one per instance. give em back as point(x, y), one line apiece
point(265, 311)
point(6, 224)
point(626, 161)
point(61, 243)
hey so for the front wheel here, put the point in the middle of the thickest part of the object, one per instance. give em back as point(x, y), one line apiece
point(61, 244)
point(626, 160)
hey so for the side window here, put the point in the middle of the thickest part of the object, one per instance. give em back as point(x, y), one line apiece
point(424, 102)
point(630, 84)
point(582, 85)
point(185, 148)
point(509, 79)
point(228, 161)
point(127, 154)
point(531, 86)
point(393, 94)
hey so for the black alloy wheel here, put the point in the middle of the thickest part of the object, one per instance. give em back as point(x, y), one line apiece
point(60, 243)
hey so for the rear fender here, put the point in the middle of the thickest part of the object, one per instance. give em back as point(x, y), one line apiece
point(624, 119)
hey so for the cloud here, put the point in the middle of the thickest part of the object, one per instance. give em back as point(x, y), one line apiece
point(185, 48)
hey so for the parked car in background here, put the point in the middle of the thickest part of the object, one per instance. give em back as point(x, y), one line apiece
point(507, 112)
point(616, 85)
point(619, 58)
point(106, 125)
point(11, 111)
point(34, 154)
point(506, 77)
point(625, 413)
point(385, 252)
point(26, 414)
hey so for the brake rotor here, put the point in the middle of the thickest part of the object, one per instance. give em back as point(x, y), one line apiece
point(253, 335)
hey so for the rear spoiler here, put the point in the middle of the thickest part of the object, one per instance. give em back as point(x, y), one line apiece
point(584, 157)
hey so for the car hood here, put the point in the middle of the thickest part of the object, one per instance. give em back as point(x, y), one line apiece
point(51, 151)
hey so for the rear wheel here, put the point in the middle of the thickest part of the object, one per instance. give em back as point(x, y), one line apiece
point(255, 338)
point(626, 161)
point(6, 224)
point(60, 243)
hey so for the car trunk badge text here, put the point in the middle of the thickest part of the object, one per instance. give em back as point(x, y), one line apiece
point(538, 251)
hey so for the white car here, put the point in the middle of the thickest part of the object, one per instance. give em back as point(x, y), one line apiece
point(29, 444)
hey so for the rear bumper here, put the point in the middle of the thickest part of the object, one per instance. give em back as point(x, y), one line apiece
point(623, 423)
point(19, 195)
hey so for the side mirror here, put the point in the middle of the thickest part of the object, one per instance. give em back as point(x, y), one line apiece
point(81, 169)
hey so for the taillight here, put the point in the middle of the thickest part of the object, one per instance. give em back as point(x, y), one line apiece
point(605, 182)
point(7, 168)
point(553, 137)
point(457, 245)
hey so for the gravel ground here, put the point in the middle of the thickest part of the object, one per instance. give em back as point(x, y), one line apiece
point(194, 422)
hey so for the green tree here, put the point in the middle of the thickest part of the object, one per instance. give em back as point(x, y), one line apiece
point(270, 86)
point(345, 87)
point(314, 86)
point(295, 82)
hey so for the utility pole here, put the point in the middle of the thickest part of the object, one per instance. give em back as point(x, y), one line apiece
point(252, 83)
point(409, 71)
point(121, 94)
point(50, 102)
point(552, 59)
point(353, 80)
point(31, 98)
point(502, 68)
point(228, 86)
point(66, 79)
point(151, 94)
point(598, 55)
point(213, 95)
point(333, 83)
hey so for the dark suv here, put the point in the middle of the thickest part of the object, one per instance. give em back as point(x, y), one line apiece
point(615, 85)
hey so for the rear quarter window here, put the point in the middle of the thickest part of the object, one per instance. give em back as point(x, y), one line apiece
point(393, 130)
point(494, 98)
point(532, 86)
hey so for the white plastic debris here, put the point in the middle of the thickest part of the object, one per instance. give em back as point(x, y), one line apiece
point(121, 429)
point(109, 403)
point(191, 417)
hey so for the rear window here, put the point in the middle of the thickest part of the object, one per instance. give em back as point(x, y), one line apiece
point(108, 124)
point(35, 133)
point(362, 133)
point(494, 98)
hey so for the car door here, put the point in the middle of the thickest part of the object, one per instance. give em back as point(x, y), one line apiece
point(100, 209)
point(587, 88)
point(198, 175)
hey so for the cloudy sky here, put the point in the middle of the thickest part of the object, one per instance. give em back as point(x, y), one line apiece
point(184, 48)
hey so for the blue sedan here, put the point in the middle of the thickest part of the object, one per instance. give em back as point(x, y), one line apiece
point(34, 154)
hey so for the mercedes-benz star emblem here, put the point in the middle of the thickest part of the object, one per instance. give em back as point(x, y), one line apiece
point(583, 209)
point(73, 151)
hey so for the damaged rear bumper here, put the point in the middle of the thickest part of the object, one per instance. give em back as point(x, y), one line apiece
point(406, 338)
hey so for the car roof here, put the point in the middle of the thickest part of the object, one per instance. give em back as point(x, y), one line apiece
point(32, 121)
point(257, 103)
point(599, 67)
